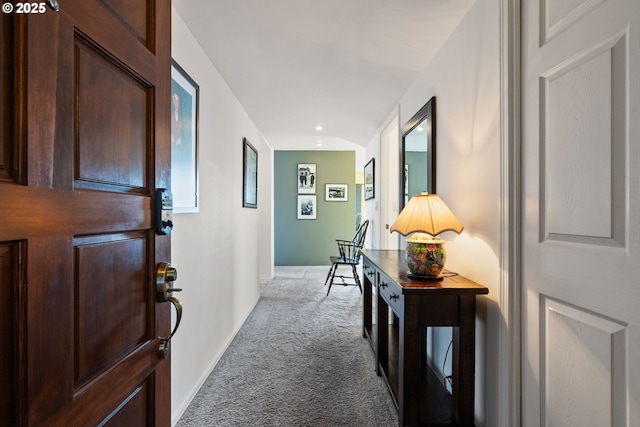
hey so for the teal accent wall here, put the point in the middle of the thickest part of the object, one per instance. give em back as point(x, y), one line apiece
point(416, 160)
point(312, 241)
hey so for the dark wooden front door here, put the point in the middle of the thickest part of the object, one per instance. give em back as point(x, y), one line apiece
point(85, 141)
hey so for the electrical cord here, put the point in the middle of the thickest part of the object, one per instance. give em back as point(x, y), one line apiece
point(447, 273)
point(447, 377)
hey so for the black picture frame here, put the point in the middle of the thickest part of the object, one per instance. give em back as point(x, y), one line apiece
point(250, 175)
point(185, 101)
point(370, 180)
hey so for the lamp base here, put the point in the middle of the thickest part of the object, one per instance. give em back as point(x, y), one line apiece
point(425, 258)
point(422, 277)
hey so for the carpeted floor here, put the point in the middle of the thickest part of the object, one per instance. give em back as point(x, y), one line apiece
point(299, 360)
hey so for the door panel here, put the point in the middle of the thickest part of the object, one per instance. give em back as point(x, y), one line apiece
point(114, 113)
point(572, 374)
point(13, 288)
point(584, 150)
point(134, 16)
point(84, 142)
point(133, 411)
point(6, 97)
point(581, 242)
point(113, 316)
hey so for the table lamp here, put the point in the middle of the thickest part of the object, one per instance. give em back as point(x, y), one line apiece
point(425, 216)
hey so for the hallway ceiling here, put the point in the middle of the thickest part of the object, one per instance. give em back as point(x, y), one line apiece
point(340, 64)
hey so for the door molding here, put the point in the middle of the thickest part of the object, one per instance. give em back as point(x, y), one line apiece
point(388, 181)
point(509, 355)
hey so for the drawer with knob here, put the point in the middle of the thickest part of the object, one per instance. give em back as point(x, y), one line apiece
point(391, 292)
point(370, 273)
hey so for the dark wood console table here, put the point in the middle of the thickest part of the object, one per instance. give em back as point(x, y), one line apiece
point(400, 347)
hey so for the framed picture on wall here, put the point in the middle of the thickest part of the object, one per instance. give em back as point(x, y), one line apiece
point(369, 180)
point(335, 192)
point(184, 140)
point(307, 178)
point(250, 175)
point(306, 207)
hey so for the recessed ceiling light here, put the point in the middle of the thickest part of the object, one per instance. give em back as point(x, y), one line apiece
point(319, 128)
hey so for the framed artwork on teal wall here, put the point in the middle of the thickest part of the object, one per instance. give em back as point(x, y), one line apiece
point(336, 192)
point(307, 207)
point(307, 178)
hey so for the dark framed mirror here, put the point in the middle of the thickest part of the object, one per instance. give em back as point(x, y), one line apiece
point(418, 153)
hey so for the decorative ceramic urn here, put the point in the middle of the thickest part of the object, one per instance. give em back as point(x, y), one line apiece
point(425, 256)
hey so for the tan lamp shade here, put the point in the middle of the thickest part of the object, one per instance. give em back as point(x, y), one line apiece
point(426, 213)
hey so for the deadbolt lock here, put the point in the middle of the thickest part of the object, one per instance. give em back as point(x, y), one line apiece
point(165, 276)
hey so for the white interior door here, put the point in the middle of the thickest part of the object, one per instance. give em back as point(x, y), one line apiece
point(581, 241)
point(389, 182)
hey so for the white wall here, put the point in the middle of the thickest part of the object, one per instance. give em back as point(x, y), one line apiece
point(372, 207)
point(222, 251)
point(464, 78)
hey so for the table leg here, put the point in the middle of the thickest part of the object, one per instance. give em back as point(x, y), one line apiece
point(408, 375)
point(464, 363)
point(366, 308)
point(382, 325)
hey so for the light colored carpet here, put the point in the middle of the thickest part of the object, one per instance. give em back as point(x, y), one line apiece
point(299, 360)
